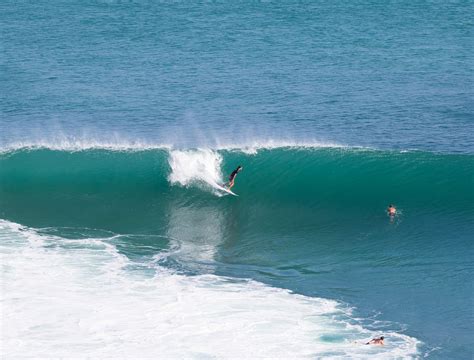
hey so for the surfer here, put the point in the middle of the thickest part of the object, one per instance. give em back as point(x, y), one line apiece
point(232, 176)
point(376, 341)
point(391, 210)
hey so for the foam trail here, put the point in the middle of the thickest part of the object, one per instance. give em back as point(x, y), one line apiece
point(81, 298)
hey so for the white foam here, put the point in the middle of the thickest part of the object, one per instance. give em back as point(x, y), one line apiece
point(85, 301)
point(195, 167)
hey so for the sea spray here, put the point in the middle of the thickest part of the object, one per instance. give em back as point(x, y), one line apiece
point(191, 166)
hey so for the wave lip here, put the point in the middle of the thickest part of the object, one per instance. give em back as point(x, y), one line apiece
point(250, 146)
point(73, 145)
point(86, 300)
point(253, 146)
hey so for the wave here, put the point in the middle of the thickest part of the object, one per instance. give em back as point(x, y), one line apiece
point(81, 297)
point(359, 181)
point(166, 233)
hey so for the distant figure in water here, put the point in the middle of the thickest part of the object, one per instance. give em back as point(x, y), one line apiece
point(376, 341)
point(391, 210)
point(232, 176)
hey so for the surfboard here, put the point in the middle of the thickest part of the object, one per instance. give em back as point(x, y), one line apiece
point(225, 190)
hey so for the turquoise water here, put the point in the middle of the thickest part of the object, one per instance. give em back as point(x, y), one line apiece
point(117, 120)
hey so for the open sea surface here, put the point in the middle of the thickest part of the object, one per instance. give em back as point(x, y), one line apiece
point(118, 119)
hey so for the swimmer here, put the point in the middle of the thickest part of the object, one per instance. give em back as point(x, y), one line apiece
point(376, 341)
point(391, 210)
point(232, 177)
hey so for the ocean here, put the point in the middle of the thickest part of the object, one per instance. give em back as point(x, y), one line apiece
point(118, 119)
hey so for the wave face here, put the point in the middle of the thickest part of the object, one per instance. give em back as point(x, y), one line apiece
point(116, 234)
point(343, 183)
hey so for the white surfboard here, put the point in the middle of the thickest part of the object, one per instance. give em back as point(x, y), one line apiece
point(225, 189)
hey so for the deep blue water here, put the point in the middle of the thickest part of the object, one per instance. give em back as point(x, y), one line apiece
point(386, 74)
point(395, 77)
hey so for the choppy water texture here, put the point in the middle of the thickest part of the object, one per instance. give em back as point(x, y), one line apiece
point(392, 75)
point(118, 119)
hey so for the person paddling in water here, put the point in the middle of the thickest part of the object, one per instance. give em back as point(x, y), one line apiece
point(232, 177)
point(391, 210)
point(376, 341)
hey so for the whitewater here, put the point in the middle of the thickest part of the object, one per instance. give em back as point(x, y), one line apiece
point(68, 298)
